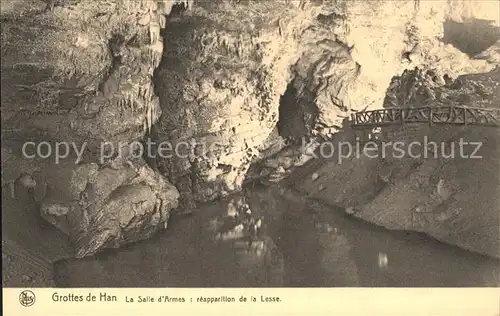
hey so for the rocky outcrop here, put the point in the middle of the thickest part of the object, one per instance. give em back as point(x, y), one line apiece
point(228, 248)
point(103, 207)
point(97, 206)
point(444, 189)
point(224, 113)
point(452, 195)
point(83, 80)
point(221, 86)
point(220, 82)
point(85, 77)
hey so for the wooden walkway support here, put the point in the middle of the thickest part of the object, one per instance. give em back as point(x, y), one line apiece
point(459, 115)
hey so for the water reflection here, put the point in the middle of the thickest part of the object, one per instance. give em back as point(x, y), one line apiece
point(304, 244)
point(324, 247)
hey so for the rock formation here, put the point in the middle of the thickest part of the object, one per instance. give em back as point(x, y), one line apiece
point(440, 188)
point(84, 79)
point(452, 192)
point(221, 84)
point(207, 78)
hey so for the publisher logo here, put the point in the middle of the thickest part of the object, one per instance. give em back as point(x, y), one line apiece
point(27, 298)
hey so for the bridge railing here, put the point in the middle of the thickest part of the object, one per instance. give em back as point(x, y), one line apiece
point(460, 115)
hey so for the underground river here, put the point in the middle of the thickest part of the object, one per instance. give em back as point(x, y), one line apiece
point(305, 244)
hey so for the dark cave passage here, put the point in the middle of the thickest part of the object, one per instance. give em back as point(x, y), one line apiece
point(465, 36)
point(296, 115)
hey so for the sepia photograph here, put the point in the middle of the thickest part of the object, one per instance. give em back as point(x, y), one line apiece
point(250, 144)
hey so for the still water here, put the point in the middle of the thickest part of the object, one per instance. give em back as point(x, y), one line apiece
point(304, 244)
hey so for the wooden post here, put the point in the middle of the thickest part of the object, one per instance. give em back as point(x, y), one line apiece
point(430, 116)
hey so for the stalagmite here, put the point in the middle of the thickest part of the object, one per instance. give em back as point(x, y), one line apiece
point(154, 31)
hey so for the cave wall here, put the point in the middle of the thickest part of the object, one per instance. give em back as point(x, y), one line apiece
point(93, 72)
point(79, 73)
point(226, 65)
point(85, 64)
point(224, 70)
point(438, 190)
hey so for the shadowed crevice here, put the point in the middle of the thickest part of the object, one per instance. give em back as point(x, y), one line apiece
point(472, 36)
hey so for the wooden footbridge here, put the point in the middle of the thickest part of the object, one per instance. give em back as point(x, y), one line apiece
point(458, 115)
